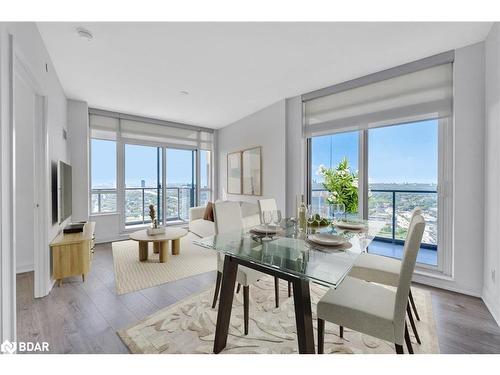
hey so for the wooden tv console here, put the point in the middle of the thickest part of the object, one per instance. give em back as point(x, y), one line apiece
point(72, 253)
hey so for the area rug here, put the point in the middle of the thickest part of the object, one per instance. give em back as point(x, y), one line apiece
point(132, 275)
point(189, 326)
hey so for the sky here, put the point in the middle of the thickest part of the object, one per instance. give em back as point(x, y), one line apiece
point(396, 154)
point(141, 164)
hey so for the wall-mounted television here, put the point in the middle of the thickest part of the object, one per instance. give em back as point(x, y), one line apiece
point(64, 189)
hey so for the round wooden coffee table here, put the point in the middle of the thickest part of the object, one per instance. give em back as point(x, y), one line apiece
point(160, 242)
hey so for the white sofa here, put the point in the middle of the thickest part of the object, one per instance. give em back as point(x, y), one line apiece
point(206, 228)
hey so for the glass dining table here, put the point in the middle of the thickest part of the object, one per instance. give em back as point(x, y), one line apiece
point(291, 256)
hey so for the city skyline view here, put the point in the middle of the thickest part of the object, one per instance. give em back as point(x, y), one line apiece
point(391, 149)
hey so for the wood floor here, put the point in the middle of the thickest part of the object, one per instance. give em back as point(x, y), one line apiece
point(84, 317)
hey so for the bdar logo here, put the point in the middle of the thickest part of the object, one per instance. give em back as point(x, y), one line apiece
point(8, 347)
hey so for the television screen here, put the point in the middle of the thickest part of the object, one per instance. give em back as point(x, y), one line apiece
point(64, 191)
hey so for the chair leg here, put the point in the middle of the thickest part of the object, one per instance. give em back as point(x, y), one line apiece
point(414, 307)
point(238, 288)
point(321, 336)
point(246, 302)
point(341, 332)
point(407, 340)
point(399, 349)
point(277, 291)
point(217, 289)
point(289, 289)
point(412, 323)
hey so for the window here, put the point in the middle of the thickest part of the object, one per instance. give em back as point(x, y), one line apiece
point(103, 176)
point(395, 128)
point(142, 183)
point(137, 162)
point(180, 183)
point(402, 175)
point(328, 151)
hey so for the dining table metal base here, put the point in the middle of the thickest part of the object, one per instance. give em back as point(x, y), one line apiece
point(301, 296)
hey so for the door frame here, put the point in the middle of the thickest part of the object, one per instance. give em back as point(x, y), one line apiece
point(41, 254)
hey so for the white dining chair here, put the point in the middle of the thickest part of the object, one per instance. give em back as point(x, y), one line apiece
point(370, 308)
point(384, 270)
point(269, 204)
point(227, 217)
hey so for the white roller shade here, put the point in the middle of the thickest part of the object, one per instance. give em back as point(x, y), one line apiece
point(420, 95)
point(103, 127)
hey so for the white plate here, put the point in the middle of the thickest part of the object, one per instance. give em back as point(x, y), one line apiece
point(349, 225)
point(327, 239)
point(262, 229)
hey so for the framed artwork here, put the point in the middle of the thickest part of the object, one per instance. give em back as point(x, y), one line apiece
point(252, 171)
point(234, 173)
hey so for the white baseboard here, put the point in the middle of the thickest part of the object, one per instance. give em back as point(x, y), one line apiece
point(489, 301)
point(447, 285)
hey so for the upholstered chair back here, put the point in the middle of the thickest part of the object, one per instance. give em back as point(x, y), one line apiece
point(267, 205)
point(411, 247)
point(227, 216)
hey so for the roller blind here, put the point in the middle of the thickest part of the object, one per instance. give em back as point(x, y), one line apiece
point(420, 95)
point(103, 127)
point(108, 127)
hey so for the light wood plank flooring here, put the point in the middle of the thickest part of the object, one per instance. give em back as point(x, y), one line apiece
point(84, 317)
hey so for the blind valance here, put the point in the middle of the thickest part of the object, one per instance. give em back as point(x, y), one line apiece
point(420, 95)
point(108, 127)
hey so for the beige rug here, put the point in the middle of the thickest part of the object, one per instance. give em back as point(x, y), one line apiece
point(189, 326)
point(132, 275)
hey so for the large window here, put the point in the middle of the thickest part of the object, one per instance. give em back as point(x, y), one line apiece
point(103, 176)
point(138, 162)
point(402, 170)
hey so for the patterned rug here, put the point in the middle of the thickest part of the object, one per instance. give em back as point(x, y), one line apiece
point(189, 326)
point(132, 275)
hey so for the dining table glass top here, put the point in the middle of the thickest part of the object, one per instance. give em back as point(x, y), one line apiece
point(290, 252)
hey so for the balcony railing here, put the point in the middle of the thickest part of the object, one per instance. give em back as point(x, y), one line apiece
point(394, 208)
point(137, 201)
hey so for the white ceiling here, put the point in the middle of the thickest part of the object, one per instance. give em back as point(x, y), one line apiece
point(231, 69)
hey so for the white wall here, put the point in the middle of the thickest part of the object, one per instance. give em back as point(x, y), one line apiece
point(468, 174)
point(491, 281)
point(264, 128)
point(78, 136)
point(30, 45)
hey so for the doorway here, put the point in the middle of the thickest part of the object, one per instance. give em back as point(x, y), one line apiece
point(30, 185)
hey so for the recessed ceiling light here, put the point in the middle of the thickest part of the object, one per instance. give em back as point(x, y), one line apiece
point(183, 92)
point(84, 33)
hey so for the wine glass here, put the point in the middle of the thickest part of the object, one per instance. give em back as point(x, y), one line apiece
point(267, 217)
point(338, 210)
point(276, 218)
point(342, 209)
point(310, 217)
